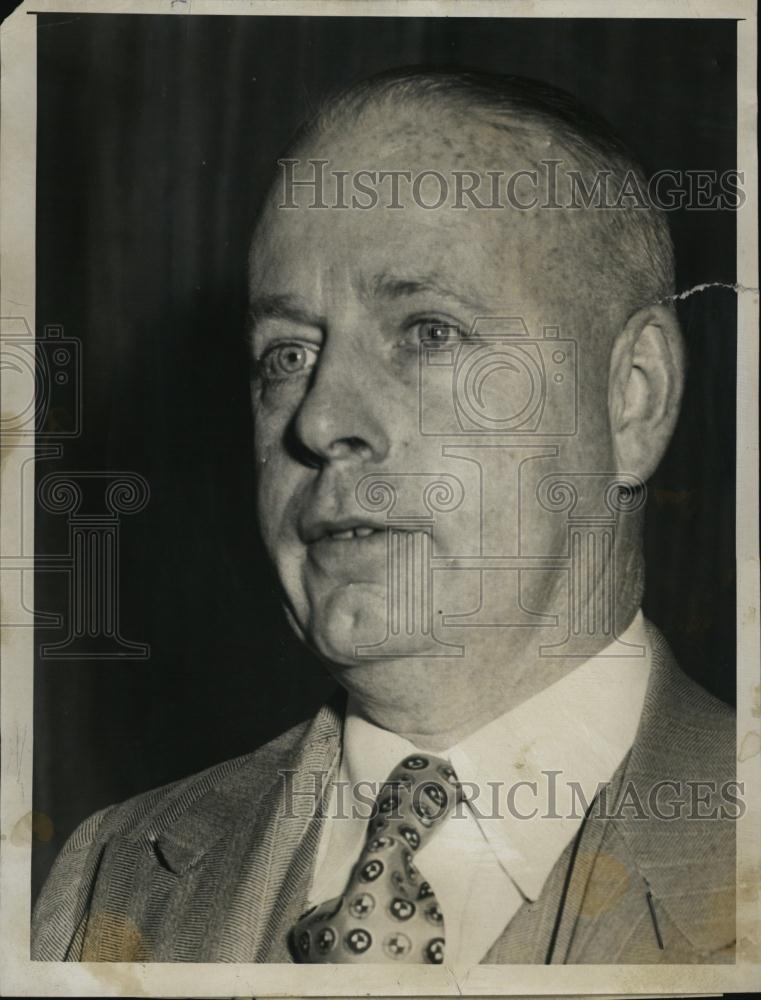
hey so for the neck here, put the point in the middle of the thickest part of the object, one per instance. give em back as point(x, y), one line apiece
point(435, 707)
point(437, 702)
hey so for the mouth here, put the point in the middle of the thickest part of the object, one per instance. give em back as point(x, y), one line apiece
point(347, 534)
point(347, 530)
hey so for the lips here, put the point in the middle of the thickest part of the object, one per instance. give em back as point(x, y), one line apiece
point(348, 549)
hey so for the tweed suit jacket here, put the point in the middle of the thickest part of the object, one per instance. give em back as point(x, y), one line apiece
point(216, 867)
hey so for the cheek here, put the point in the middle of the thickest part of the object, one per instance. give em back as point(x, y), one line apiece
point(273, 485)
point(594, 433)
point(594, 443)
point(271, 421)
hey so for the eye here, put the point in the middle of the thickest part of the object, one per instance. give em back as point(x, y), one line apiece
point(288, 360)
point(438, 332)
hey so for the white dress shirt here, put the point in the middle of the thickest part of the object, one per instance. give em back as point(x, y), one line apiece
point(491, 855)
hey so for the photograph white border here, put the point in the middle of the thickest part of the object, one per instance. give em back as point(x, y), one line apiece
point(20, 976)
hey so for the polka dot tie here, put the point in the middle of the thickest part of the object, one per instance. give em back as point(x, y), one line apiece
point(388, 913)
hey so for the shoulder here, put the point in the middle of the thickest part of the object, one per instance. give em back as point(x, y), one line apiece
point(682, 768)
point(682, 724)
point(192, 805)
point(251, 773)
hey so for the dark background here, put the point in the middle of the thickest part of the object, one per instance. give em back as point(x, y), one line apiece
point(156, 137)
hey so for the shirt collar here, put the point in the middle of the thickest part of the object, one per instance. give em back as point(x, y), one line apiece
point(551, 750)
point(529, 769)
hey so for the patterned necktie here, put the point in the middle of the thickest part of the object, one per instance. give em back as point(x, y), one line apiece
point(387, 912)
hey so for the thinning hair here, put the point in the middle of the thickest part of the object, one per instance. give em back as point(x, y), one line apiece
point(628, 245)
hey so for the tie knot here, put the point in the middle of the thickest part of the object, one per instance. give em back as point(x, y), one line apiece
point(418, 794)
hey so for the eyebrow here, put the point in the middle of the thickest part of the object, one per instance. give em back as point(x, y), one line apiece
point(381, 286)
point(282, 307)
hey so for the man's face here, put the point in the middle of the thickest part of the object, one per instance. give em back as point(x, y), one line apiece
point(342, 299)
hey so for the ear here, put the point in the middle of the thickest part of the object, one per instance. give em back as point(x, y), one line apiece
point(645, 388)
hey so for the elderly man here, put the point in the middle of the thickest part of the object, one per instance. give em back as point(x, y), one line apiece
point(464, 369)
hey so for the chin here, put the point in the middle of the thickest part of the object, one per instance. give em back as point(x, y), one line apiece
point(347, 618)
point(345, 627)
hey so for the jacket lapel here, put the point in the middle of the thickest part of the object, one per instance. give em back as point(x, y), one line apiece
point(541, 931)
point(661, 890)
point(279, 850)
point(209, 875)
point(633, 888)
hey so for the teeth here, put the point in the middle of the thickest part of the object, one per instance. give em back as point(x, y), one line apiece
point(346, 536)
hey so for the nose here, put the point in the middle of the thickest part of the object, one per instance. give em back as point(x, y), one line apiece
point(341, 416)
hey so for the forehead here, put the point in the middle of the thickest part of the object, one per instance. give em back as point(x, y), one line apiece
point(402, 165)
